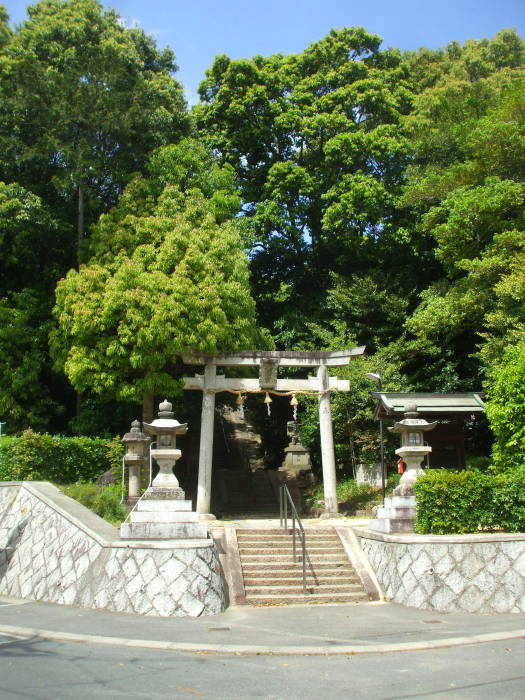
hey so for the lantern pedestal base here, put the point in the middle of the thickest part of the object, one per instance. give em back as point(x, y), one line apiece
point(397, 514)
point(164, 493)
point(206, 516)
point(163, 514)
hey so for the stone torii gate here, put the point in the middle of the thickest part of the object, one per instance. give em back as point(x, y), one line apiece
point(211, 383)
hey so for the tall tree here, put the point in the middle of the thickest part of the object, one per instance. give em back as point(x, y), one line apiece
point(178, 282)
point(84, 100)
point(316, 143)
point(466, 188)
point(5, 31)
point(33, 252)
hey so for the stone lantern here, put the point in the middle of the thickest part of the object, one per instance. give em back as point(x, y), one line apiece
point(397, 513)
point(413, 449)
point(135, 443)
point(163, 513)
point(296, 457)
point(165, 429)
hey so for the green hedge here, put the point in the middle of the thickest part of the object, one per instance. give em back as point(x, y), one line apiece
point(470, 501)
point(62, 460)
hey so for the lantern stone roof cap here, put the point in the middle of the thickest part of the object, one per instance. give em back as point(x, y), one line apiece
point(163, 426)
point(412, 424)
point(135, 434)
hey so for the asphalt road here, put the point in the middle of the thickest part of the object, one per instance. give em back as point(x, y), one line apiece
point(37, 669)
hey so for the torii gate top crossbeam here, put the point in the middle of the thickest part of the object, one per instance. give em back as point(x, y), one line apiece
point(284, 358)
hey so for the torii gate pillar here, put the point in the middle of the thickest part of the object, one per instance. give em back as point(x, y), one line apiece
point(327, 445)
point(206, 443)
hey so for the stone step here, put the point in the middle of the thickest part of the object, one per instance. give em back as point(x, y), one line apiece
point(281, 561)
point(151, 504)
point(253, 515)
point(265, 568)
point(297, 578)
point(276, 534)
point(145, 516)
point(271, 533)
point(254, 491)
point(163, 531)
point(287, 541)
point(266, 513)
point(246, 504)
point(311, 546)
point(296, 588)
point(277, 531)
point(309, 598)
point(288, 550)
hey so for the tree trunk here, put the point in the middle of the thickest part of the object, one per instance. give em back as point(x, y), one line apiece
point(148, 408)
point(80, 236)
point(147, 417)
point(78, 404)
point(80, 222)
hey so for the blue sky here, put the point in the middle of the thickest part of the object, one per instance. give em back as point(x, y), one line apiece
point(199, 30)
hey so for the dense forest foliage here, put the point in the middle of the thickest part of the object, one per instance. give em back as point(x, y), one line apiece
point(344, 195)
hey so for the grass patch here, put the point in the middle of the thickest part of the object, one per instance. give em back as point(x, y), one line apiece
point(351, 496)
point(102, 500)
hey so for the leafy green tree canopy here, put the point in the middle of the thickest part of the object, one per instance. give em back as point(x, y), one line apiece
point(506, 407)
point(33, 247)
point(465, 188)
point(179, 282)
point(84, 99)
point(316, 144)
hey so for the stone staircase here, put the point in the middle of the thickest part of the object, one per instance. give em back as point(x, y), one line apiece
point(272, 578)
point(249, 494)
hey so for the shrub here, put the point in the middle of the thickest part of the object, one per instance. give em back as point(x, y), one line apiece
point(102, 500)
point(470, 501)
point(43, 457)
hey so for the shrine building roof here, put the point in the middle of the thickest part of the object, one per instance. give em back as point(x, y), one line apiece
point(393, 404)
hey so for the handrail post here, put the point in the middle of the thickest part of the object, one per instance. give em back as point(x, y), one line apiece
point(304, 565)
point(285, 498)
point(293, 535)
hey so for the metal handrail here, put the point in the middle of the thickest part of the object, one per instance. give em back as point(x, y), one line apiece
point(285, 498)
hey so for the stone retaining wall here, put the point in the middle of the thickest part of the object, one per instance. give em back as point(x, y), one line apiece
point(53, 549)
point(469, 573)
